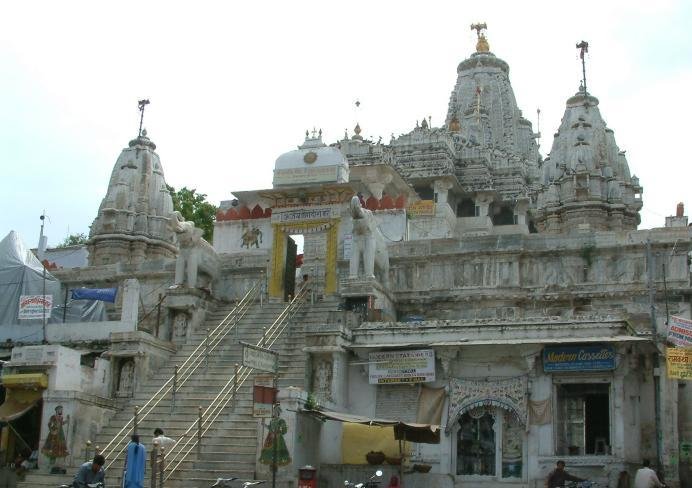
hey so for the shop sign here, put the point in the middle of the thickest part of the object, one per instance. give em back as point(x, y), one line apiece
point(579, 358)
point(35, 306)
point(680, 331)
point(263, 395)
point(421, 208)
point(388, 367)
point(679, 362)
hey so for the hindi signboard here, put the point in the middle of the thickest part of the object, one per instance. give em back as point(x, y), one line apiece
point(680, 331)
point(388, 367)
point(679, 363)
point(263, 396)
point(307, 174)
point(579, 358)
point(421, 208)
point(35, 306)
point(304, 214)
point(260, 358)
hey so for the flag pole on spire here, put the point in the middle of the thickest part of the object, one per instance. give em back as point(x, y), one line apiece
point(583, 47)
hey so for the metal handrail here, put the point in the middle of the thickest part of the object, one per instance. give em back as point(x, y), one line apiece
point(230, 389)
point(185, 370)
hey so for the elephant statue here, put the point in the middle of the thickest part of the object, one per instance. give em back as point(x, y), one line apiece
point(368, 242)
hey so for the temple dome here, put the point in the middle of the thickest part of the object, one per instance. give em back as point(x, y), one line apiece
point(312, 162)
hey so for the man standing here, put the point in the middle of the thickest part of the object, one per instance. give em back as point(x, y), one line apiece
point(91, 472)
point(646, 477)
point(558, 476)
point(165, 443)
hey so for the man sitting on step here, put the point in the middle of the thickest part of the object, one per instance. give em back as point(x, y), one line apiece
point(90, 472)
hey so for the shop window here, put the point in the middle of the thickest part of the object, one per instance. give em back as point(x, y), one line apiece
point(583, 424)
point(490, 442)
point(476, 443)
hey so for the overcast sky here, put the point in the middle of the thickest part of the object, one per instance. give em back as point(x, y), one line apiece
point(234, 85)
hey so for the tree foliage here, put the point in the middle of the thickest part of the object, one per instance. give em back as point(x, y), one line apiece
point(74, 240)
point(194, 207)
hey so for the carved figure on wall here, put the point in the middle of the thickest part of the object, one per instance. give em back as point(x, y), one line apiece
point(189, 238)
point(55, 447)
point(368, 243)
point(251, 237)
point(180, 325)
point(126, 378)
point(322, 379)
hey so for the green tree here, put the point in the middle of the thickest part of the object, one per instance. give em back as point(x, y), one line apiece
point(194, 207)
point(74, 240)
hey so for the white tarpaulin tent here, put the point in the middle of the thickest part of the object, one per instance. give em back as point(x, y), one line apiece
point(22, 274)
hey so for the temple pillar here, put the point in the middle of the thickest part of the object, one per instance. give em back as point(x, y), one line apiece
point(330, 268)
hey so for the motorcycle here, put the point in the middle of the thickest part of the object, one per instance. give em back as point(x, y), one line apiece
point(370, 483)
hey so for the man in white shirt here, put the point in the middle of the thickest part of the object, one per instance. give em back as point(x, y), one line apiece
point(646, 477)
point(164, 442)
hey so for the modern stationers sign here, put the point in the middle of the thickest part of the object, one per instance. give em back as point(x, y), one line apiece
point(596, 357)
point(388, 367)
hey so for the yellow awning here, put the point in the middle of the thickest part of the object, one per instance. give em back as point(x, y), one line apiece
point(33, 381)
point(18, 402)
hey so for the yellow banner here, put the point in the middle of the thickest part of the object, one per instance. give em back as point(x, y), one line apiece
point(420, 208)
point(679, 362)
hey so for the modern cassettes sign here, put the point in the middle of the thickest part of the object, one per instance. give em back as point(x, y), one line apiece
point(595, 357)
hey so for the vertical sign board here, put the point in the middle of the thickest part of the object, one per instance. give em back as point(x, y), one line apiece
point(263, 396)
point(260, 358)
point(596, 357)
point(680, 331)
point(679, 363)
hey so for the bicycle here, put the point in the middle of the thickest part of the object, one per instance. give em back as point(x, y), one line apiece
point(89, 485)
point(581, 484)
point(370, 483)
point(226, 483)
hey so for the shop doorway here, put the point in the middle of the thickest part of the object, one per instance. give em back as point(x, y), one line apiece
point(23, 433)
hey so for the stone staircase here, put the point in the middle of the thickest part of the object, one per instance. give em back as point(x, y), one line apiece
point(229, 448)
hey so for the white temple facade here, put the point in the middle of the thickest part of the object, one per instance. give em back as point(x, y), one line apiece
point(451, 278)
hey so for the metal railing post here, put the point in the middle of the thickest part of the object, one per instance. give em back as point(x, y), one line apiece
point(175, 387)
point(87, 448)
point(135, 420)
point(235, 385)
point(153, 461)
point(206, 352)
point(199, 433)
point(162, 466)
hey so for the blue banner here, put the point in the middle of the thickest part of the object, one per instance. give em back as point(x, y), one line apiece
point(103, 294)
point(598, 357)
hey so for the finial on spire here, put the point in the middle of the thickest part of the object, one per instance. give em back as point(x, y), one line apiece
point(583, 47)
point(482, 45)
point(141, 104)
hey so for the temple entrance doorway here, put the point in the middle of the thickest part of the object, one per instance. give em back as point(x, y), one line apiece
point(318, 264)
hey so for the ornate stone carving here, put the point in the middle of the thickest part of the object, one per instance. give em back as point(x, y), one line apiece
point(368, 244)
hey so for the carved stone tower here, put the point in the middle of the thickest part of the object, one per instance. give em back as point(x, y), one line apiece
point(131, 225)
point(586, 179)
